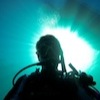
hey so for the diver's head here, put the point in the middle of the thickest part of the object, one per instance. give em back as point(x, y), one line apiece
point(48, 47)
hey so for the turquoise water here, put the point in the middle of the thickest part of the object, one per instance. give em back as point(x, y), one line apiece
point(21, 24)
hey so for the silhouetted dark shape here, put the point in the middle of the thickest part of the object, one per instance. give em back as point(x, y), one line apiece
point(51, 82)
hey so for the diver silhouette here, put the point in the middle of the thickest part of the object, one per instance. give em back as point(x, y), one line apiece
point(50, 82)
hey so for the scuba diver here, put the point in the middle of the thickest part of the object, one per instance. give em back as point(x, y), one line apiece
point(51, 82)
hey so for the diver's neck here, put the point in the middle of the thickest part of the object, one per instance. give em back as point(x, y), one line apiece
point(49, 73)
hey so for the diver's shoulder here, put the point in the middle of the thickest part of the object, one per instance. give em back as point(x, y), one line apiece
point(26, 77)
point(34, 75)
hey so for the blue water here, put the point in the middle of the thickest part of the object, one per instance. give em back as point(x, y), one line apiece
point(21, 22)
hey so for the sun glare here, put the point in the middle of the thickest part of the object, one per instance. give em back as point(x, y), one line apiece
point(76, 50)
